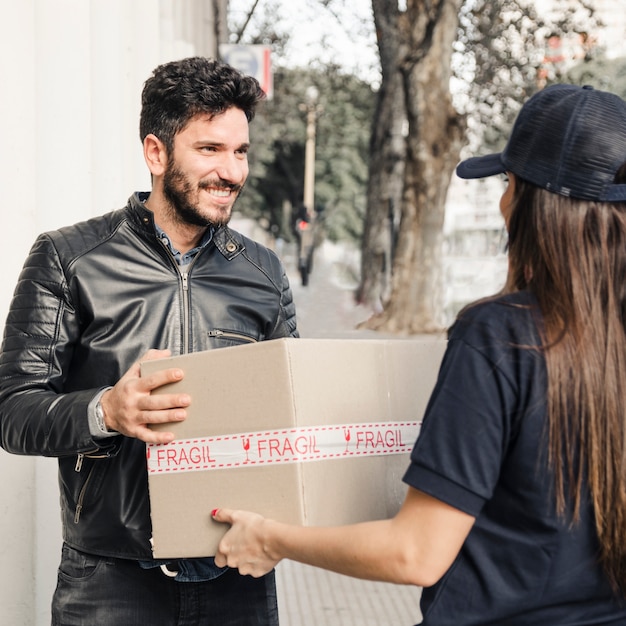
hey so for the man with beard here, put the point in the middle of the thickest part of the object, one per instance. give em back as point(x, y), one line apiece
point(164, 275)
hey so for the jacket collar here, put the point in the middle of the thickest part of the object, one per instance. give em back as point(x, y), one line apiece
point(228, 242)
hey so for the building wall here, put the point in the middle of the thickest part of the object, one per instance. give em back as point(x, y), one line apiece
point(70, 76)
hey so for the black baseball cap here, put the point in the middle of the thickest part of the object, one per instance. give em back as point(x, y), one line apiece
point(567, 139)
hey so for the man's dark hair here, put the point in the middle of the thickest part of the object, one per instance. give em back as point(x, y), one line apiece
point(178, 91)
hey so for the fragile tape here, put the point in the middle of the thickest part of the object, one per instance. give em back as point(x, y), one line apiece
point(291, 445)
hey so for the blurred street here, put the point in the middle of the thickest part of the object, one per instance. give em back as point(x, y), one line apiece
point(326, 307)
point(308, 596)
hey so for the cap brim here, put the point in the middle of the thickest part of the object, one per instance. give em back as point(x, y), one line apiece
point(480, 167)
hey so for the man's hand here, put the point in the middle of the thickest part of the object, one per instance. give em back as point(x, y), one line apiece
point(244, 546)
point(130, 407)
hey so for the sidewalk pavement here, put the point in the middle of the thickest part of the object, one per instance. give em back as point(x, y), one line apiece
point(309, 596)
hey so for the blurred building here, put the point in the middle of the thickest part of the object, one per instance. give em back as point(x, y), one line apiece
point(475, 259)
point(611, 37)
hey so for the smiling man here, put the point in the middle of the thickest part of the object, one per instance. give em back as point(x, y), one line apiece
point(164, 275)
point(196, 182)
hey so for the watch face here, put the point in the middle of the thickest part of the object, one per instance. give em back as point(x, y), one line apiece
point(100, 416)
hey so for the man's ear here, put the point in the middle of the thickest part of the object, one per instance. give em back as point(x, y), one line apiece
point(155, 155)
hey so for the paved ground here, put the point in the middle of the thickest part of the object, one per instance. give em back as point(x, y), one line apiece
point(312, 597)
point(309, 596)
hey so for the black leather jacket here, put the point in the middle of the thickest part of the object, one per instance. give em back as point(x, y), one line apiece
point(91, 300)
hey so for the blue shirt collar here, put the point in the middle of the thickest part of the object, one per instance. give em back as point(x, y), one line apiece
point(184, 259)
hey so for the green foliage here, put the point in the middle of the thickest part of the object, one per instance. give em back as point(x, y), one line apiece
point(278, 136)
point(499, 53)
point(601, 73)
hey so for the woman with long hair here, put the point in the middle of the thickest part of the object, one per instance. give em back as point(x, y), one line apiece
point(516, 504)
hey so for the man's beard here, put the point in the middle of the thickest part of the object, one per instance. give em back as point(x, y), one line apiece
point(179, 192)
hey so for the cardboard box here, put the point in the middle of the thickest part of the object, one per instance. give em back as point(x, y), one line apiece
point(307, 431)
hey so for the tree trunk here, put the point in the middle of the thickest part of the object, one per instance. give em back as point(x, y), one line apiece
point(435, 137)
point(386, 167)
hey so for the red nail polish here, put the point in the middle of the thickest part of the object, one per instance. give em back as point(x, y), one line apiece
point(214, 512)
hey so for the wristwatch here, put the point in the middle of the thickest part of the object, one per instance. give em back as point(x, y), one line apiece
point(100, 418)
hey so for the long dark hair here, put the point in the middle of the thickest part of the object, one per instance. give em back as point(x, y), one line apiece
point(572, 255)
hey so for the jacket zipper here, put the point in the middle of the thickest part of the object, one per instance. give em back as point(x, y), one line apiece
point(90, 455)
point(184, 276)
point(184, 273)
point(81, 496)
point(224, 333)
point(77, 468)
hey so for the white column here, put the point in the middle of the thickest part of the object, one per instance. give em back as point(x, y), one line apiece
point(70, 83)
point(18, 217)
point(124, 49)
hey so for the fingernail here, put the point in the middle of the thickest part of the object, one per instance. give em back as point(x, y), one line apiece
point(214, 512)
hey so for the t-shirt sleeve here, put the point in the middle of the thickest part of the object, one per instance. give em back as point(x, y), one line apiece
point(467, 424)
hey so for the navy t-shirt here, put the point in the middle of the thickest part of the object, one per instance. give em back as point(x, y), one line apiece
point(482, 449)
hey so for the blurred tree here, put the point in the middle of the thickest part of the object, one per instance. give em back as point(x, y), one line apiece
point(416, 71)
point(278, 135)
point(387, 159)
point(601, 73)
point(505, 51)
point(496, 49)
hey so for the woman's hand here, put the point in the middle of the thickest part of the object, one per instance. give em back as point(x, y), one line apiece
point(246, 544)
point(416, 547)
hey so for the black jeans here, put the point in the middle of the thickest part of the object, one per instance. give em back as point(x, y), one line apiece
point(102, 591)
